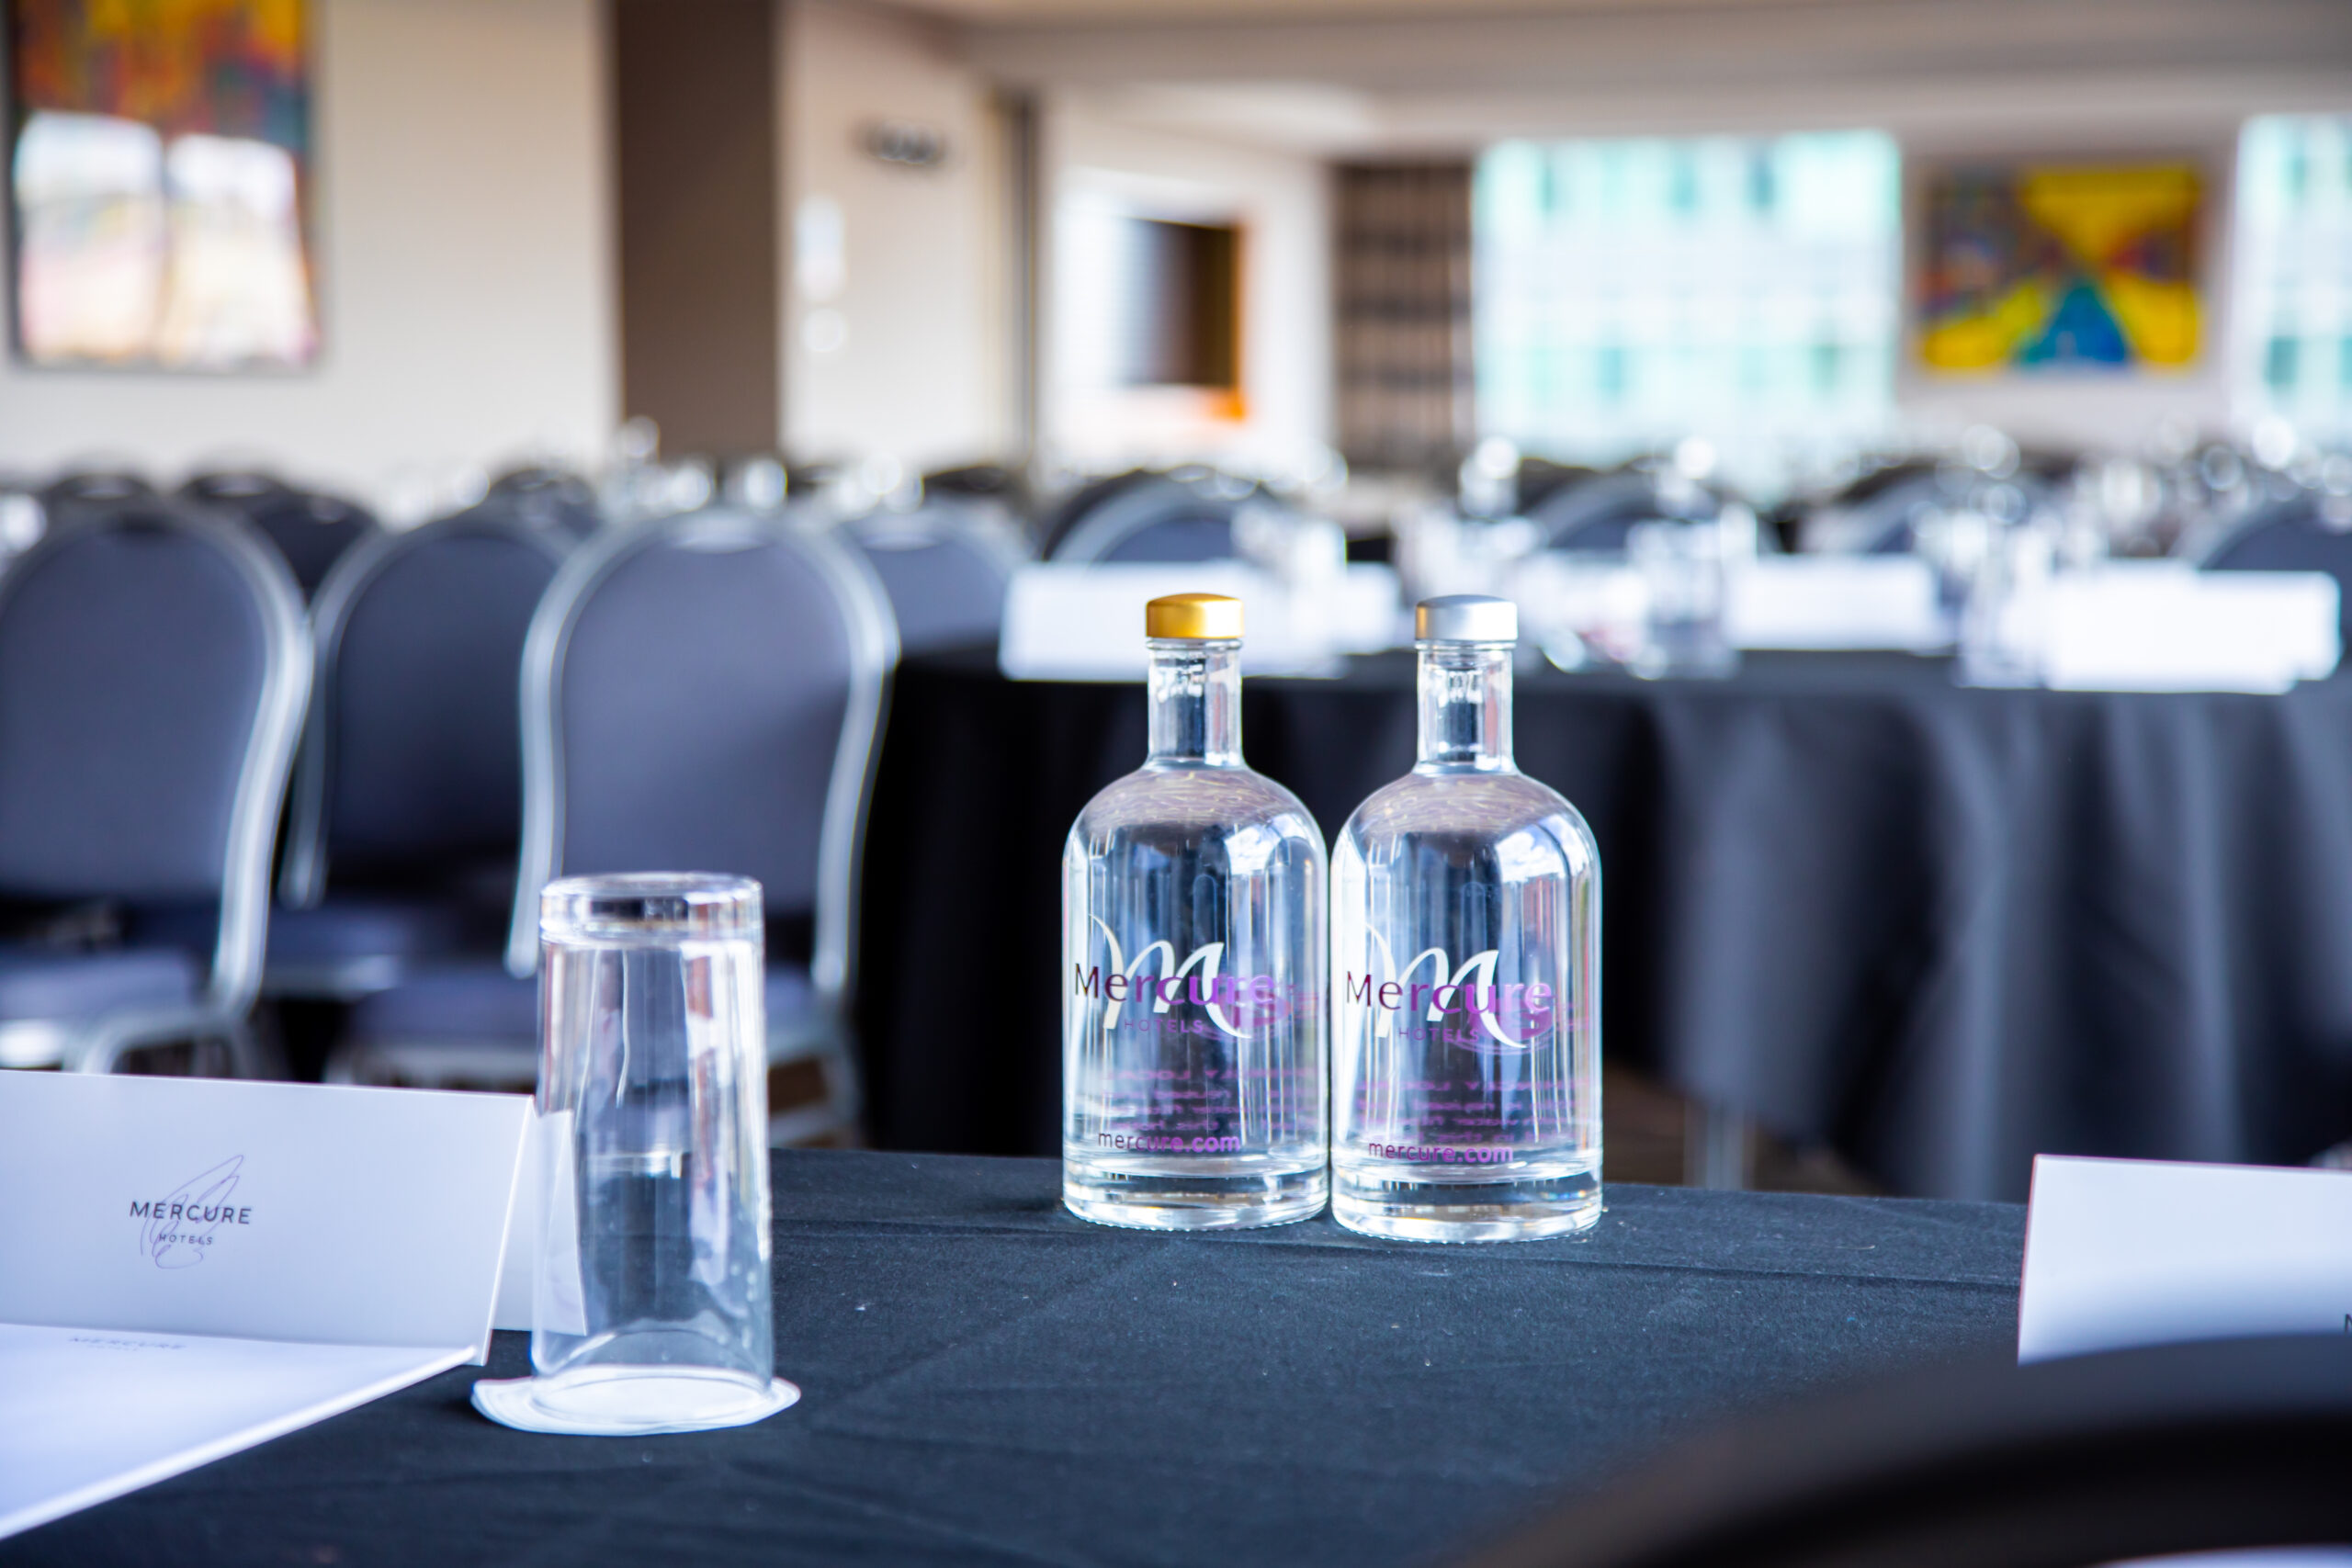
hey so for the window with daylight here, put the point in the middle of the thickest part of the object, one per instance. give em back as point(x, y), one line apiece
point(2292, 356)
point(1632, 292)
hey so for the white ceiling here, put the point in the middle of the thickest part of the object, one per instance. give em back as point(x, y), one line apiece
point(1341, 76)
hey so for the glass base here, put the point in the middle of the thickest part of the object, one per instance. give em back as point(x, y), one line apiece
point(624, 1400)
point(1193, 1200)
point(1534, 1205)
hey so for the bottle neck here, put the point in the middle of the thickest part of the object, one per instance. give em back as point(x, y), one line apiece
point(1466, 706)
point(1195, 703)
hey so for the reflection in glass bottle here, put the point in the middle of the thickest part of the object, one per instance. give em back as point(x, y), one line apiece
point(1192, 953)
point(1465, 916)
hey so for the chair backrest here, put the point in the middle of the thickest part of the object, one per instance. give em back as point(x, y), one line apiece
point(2206, 1447)
point(94, 489)
point(946, 570)
point(702, 693)
point(152, 667)
point(1160, 518)
point(549, 497)
point(311, 531)
point(412, 761)
point(2291, 536)
point(1599, 513)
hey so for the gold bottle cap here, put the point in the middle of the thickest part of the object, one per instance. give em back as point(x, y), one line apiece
point(1203, 616)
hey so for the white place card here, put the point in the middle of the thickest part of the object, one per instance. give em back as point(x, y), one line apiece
point(1085, 622)
point(190, 1267)
point(355, 1216)
point(2165, 626)
point(2120, 1253)
point(1835, 602)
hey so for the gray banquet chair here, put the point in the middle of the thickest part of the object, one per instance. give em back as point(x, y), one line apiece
point(152, 667)
point(407, 808)
point(1156, 518)
point(311, 531)
point(2291, 536)
point(946, 569)
point(549, 497)
point(702, 692)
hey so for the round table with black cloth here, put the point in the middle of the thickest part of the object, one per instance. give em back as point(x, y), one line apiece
point(1940, 928)
point(988, 1382)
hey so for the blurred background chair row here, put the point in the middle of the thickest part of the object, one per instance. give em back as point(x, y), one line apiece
point(502, 695)
point(153, 668)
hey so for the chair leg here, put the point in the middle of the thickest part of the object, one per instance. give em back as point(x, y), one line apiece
point(102, 1045)
point(1719, 1147)
point(839, 1109)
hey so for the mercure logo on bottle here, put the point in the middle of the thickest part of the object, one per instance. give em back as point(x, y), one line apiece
point(1196, 980)
point(1498, 1009)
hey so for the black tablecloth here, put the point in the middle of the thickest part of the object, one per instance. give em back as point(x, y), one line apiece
point(1938, 927)
point(989, 1381)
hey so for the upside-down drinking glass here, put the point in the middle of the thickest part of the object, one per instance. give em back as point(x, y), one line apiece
point(652, 1305)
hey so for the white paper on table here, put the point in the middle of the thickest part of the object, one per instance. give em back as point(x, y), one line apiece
point(2165, 626)
point(92, 1413)
point(189, 1267)
point(2120, 1253)
point(1834, 602)
point(1085, 622)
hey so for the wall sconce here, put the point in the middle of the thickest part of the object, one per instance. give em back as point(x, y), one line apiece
point(904, 142)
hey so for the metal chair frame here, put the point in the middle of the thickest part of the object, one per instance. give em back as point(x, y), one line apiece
point(937, 523)
point(873, 650)
point(1111, 522)
point(220, 1013)
point(302, 878)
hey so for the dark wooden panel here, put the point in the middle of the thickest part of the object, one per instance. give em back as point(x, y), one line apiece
point(694, 116)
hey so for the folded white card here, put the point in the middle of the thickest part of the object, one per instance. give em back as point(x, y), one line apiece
point(1835, 602)
point(190, 1267)
point(2165, 626)
point(87, 1415)
point(355, 1216)
point(2145, 1252)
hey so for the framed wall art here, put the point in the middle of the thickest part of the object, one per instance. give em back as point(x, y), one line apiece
point(2032, 268)
point(159, 183)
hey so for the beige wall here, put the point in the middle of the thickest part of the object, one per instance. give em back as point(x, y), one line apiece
point(908, 357)
point(2039, 77)
point(1280, 201)
point(463, 257)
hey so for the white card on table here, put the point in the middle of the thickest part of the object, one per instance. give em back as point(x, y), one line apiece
point(2147, 1252)
point(2165, 626)
point(1834, 602)
point(190, 1267)
point(261, 1210)
point(92, 1415)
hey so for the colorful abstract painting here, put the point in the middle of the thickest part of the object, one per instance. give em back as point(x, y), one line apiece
point(2043, 267)
point(159, 176)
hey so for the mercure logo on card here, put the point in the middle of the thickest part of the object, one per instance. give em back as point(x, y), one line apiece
point(178, 1229)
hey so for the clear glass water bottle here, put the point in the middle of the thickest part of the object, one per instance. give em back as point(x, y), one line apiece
point(1465, 953)
point(1193, 1011)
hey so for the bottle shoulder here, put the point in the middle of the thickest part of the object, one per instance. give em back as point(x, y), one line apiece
point(1199, 799)
point(1494, 805)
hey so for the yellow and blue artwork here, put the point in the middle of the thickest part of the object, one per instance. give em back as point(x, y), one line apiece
point(2047, 267)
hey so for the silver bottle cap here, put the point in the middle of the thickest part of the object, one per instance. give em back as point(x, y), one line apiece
point(1466, 618)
